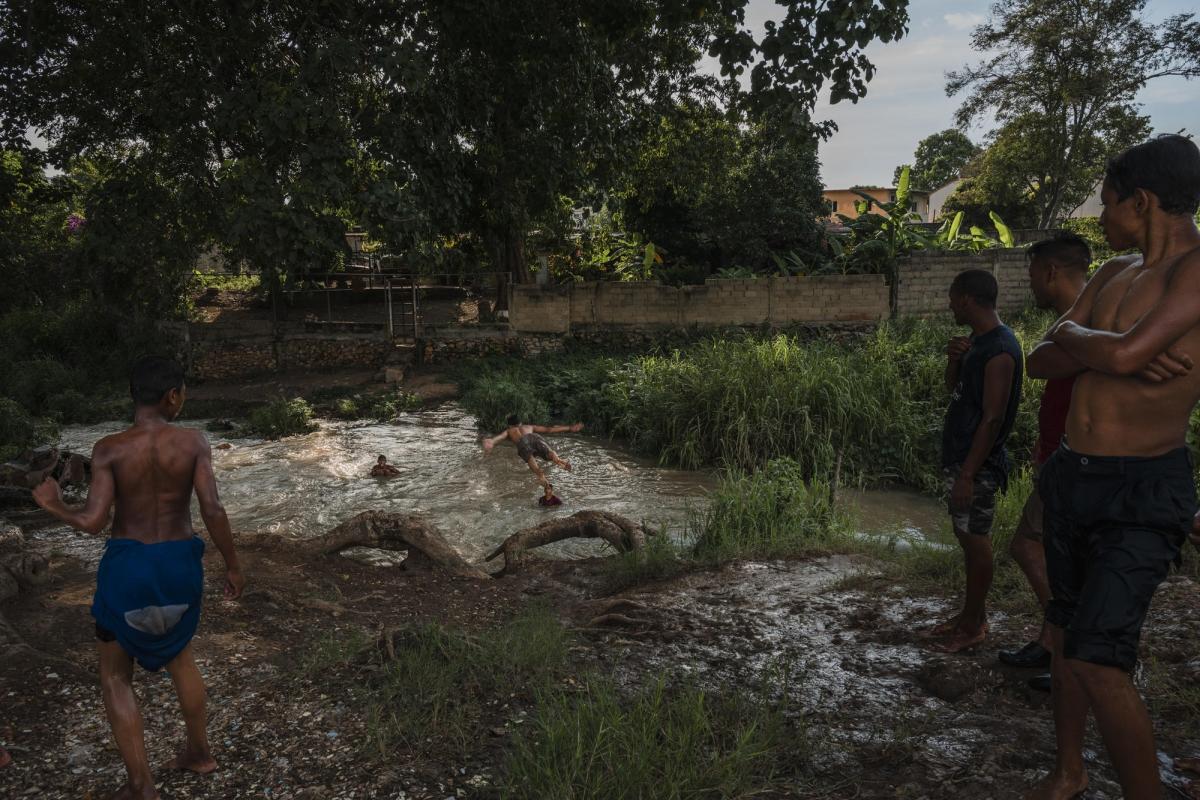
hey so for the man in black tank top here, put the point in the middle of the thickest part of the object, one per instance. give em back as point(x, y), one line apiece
point(983, 373)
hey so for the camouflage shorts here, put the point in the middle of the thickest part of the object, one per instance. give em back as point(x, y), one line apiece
point(979, 517)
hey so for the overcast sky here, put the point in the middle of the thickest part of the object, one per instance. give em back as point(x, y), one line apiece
point(907, 100)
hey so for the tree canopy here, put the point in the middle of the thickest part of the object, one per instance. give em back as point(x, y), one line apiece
point(1062, 84)
point(939, 159)
point(275, 124)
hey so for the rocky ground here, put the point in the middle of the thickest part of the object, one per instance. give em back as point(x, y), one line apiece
point(885, 717)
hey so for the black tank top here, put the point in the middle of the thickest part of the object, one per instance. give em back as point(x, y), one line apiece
point(966, 403)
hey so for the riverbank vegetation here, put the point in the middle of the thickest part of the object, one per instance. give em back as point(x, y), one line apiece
point(864, 410)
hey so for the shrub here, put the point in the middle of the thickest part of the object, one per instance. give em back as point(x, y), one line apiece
point(20, 430)
point(281, 418)
point(771, 513)
point(492, 398)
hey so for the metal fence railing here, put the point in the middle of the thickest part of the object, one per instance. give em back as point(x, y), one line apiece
point(396, 303)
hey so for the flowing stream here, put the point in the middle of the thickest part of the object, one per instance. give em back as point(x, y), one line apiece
point(304, 485)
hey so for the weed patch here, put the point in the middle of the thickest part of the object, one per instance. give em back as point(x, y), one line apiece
point(659, 742)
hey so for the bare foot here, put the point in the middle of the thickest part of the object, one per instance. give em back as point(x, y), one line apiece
point(127, 792)
point(961, 639)
point(199, 763)
point(1190, 765)
point(1056, 786)
point(943, 629)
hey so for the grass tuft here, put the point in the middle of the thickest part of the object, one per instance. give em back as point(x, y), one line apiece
point(771, 513)
point(659, 742)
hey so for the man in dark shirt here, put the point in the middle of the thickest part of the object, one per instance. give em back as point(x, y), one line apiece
point(983, 373)
point(1058, 269)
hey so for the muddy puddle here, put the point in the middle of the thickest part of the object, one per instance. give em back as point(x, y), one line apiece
point(879, 703)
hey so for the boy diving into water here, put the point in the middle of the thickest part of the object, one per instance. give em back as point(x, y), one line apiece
point(151, 579)
point(529, 444)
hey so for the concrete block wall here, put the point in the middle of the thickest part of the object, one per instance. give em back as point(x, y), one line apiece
point(777, 302)
point(925, 280)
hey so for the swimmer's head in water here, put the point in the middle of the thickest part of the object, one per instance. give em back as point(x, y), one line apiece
point(513, 420)
point(158, 381)
point(382, 460)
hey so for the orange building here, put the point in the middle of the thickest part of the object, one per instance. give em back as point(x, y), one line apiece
point(845, 201)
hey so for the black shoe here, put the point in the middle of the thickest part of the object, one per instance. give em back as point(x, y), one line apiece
point(1041, 682)
point(1031, 656)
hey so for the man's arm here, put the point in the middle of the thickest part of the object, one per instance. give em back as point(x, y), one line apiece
point(491, 441)
point(215, 518)
point(1146, 347)
point(1049, 359)
point(578, 426)
point(93, 516)
point(997, 387)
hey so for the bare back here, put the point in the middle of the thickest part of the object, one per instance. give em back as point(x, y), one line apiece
point(515, 432)
point(1125, 414)
point(153, 469)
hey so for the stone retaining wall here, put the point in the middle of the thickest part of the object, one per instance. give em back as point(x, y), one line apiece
point(225, 356)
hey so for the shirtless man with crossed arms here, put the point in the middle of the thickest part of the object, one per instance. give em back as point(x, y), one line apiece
point(1119, 496)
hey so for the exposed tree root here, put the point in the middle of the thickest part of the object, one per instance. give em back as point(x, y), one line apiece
point(426, 547)
point(623, 534)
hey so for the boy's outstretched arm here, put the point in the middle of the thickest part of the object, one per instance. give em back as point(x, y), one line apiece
point(576, 428)
point(491, 441)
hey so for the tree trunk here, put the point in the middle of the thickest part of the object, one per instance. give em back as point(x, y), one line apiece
point(510, 259)
point(623, 534)
point(425, 545)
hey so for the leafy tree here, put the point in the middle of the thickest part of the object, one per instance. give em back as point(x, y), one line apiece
point(418, 118)
point(1062, 86)
point(1009, 176)
point(714, 191)
point(939, 159)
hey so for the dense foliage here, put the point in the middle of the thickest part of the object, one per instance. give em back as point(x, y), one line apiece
point(939, 159)
point(416, 119)
point(874, 404)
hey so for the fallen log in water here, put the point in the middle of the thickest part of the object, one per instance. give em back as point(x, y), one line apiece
point(623, 534)
point(425, 544)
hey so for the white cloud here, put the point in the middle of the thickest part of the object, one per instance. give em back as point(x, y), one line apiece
point(963, 22)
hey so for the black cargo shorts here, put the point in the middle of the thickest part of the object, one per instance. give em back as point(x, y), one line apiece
point(1113, 527)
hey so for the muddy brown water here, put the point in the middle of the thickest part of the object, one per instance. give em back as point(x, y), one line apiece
point(302, 486)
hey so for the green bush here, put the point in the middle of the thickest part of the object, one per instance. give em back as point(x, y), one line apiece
point(281, 418)
point(770, 513)
point(492, 398)
point(20, 430)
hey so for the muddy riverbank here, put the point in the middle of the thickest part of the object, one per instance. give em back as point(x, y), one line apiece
point(880, 715)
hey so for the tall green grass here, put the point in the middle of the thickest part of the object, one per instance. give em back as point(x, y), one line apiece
point(657, 743)
point(873, 404)
point(771, 513)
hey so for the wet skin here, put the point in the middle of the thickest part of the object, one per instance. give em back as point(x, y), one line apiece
point(146, 476)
